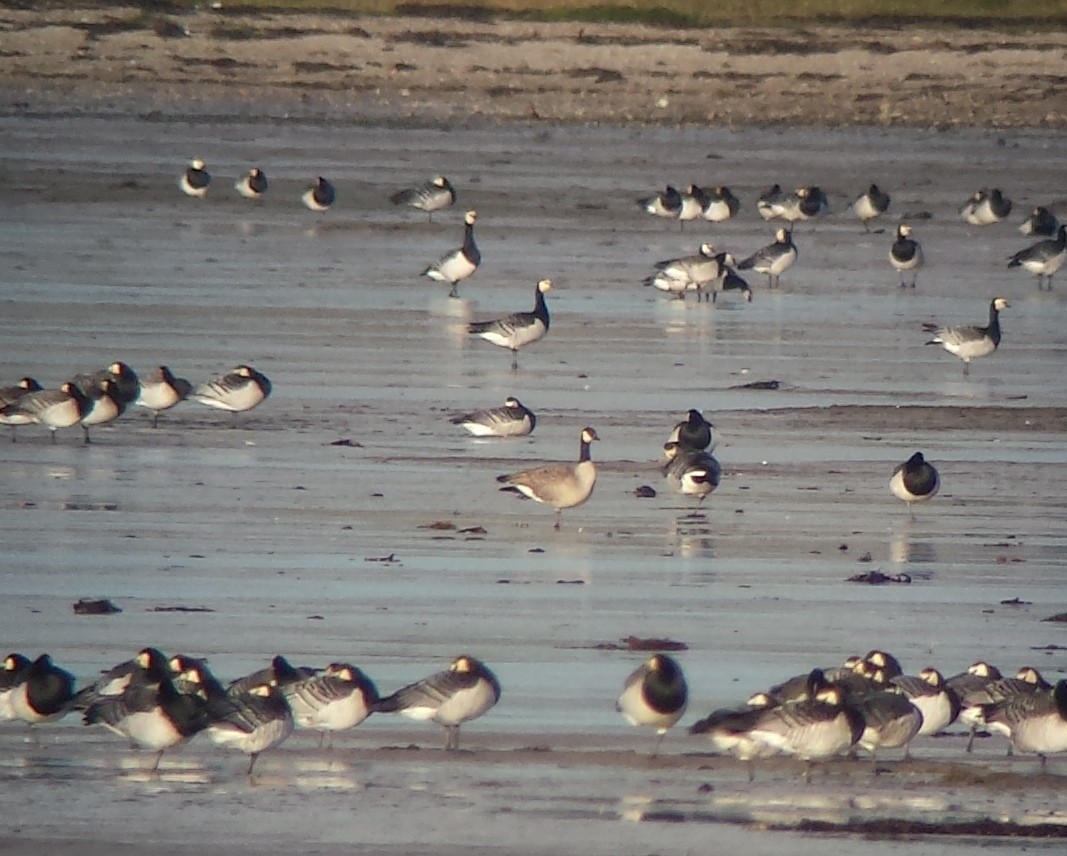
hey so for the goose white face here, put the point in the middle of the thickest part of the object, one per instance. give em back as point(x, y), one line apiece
point(545, 285)
point(1001, 303)
point(470, 218)
point(981, 669)
point(589, 435)
point(462, 665)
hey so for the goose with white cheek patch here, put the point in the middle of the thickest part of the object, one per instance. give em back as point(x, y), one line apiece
point(54, 408)
point(986, 207)
point(970, 342)
point(433, 195)
point(337, 699)
point(773, 259)
point(161, 390)
point(559, 485)
point(41, 692)
point(906, 255)
point(237, 391)
point(253, 185)
point(465, 691)
point(196, 180)
point(1041, 223)
point(461, 263)
point(512, 420)
point(519, 329)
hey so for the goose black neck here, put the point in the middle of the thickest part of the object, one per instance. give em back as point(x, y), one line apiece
point(994, 323)
point(583, 451)
point(540, 307)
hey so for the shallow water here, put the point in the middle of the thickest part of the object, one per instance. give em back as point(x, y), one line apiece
point(359, 552)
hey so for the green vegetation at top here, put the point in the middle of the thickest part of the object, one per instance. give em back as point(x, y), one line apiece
point(671, 13)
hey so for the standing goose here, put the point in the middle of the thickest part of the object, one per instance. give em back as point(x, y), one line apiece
point(986, 207)
point(1041, 223)
point(817, 727)
point(915, 480)
point(54, 408)
point(152, 716)
point(871, 205)
point(435, 194)
point(519, 329)
point(731, 281)
point(721, 204)
point(459, 264)
point(667, 203)
point(1036, 722)
point(971, 688)
point(970, 342)
point(890, 719)
point(511, 420)
point(691, 472)
point(463, 692)
point(320, 196)
point(253, 185)
point(906, 255)
point(338, 699)
point(654, 694)
point(160, 390)
point(1003, 690)
point(238, 391)
point(104, 407)
point(929, 692)
point(149, 666)
point(251, 721)
point(774, 259)
point(1044, 258)
point(559, 485)
point(11, 394)
point(195, 180)
point(690, 273)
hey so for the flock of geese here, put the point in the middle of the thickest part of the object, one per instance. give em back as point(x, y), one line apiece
point(100, 397)
point(157, 703)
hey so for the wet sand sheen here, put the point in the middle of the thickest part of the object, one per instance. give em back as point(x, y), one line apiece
point(283, 535)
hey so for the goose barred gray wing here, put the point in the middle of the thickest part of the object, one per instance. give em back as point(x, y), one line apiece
point(519, 329)
point(512, 420)
point(1044, 258)
point(236, 391)
point(465, 691)
point(967, 343)
point(433, 195)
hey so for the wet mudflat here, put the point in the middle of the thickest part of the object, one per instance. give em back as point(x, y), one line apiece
point(393, 549)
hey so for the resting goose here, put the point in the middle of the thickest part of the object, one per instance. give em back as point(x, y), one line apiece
point(559, 485)
point(338, 699)
point(805, 203)
point(253, 185)
point(774, 259)
point(11, 394)
point(54, 408)
point(871, 205)
point(986, 207)
point(655, 694)
point(511, 420)
point(433, 195)
point(906, 255)
point(970, 342)
point(320, 196)
point(1041, 222)
point(1044, 258)
point(458, 265)
point(667, 203)
point(1036, 722)
point(463, 692)
point(195, 180)
point(519, 329)
point(721, 204)
point(693, 432)
point(161, 390)
point(690, 273)
point(237, 391)
point(104, 407)
point(915, 480)
point(770, 204)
